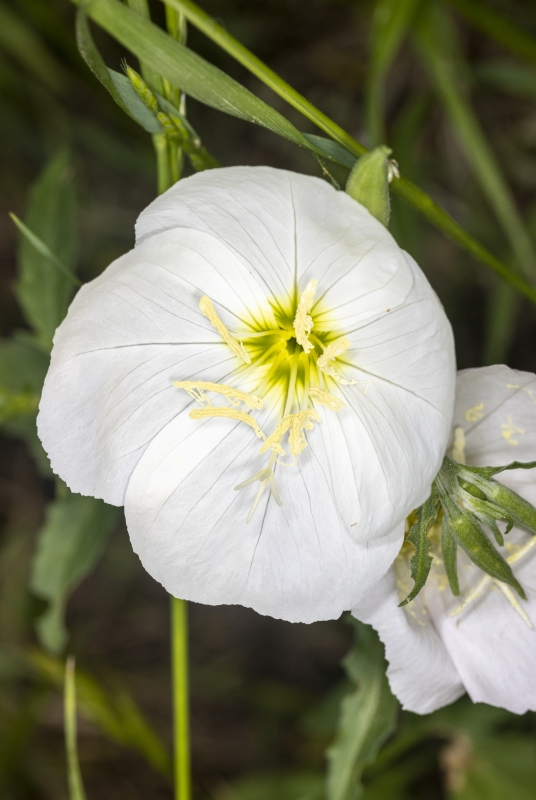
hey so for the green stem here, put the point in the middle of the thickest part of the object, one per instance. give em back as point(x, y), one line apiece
point(179, 667)
point(76, 787)
point(408, 190)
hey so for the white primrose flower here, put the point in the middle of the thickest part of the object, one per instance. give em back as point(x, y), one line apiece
point(483, 642)
point(266, 382)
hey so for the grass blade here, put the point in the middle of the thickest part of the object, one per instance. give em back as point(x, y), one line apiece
point(76, 786)
point(43, 250)
point(390, 23)
point(405, 188)
point(497, 27)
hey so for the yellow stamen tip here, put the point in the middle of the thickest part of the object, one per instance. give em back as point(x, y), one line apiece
point(331, 352)
point(303, 322)
point(326, 399)
point(208, 310)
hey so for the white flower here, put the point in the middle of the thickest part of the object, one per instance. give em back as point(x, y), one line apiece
point(483, 642)
point(268, 335)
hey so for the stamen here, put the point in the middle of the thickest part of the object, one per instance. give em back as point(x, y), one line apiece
point(296, 423)
point(458, 447)
point(229, 413)
point(514, 602)
point(303, 323)
point(208, 310)
point(326, 399)
point(197, 389)
point(332, 351)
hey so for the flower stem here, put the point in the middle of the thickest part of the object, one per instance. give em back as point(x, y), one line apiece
point(179, 672)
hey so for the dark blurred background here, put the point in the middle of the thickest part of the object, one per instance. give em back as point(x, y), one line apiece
point(264, 693)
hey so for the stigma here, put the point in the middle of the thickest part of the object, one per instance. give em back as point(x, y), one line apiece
point(292, 368)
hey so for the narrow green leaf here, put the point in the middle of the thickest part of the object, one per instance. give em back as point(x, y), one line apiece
point(442, 55)
point(488, 472)
point(41, 248)
point(135, 107)
point(510, 503)
point(115, 714)
point(150, 75)
point(44, 292)
point(367, 718)
point(411, 193)
point(390, 23)
point(76, 786)
point(427, 516)
point(68, 546)
point(185, 69)
point(332, 150)
point(20, 40)
point(471, 538)
point(508, 76)
point(368, 183)
point(489, 21)
point(88, 50)
point(449, 551)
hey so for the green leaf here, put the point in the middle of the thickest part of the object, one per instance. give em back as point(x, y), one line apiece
point(332, 150)
point(43, 250)
point(471, 538)
point(427, 516)
point(135, 107)
point(76, 786)
point(186, 70)
point(88, 50)
point(390, 23)
point(44, 291)
point(511, 504)
point(449, 551)
point(116, 714)
point(368, 716)
point(68, 546)
point(23, 367)
point(508, 76)
point(497, 27)
point(442, 55)
point(368, 183)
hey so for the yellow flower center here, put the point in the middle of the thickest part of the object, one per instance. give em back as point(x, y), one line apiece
point(289, 366)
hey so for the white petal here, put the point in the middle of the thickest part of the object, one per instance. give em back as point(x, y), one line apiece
point(420, 672)
point(493, 649)
point(188, 525)
point(386, 447)
point(128, 335)
point(290, 228)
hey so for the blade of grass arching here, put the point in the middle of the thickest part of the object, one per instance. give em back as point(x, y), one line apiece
point(405, 188)
point(76, 787)
point(438, 47)
point(390, 23)
point(497, 27)
point(502, 311)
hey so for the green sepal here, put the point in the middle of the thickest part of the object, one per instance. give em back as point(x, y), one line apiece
point(449, 550)
point(488, 513)
point(489, 472)
point(427, 516)
point(520, 511)
point(368, 183)
point(471, 538)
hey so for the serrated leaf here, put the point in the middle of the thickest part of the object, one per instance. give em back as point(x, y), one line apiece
point(427, 516)
point(367, 718)
point(68, 546)
point(42, 291)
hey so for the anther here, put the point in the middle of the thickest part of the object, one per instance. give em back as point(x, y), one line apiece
point(303, 322)
point(332, 351)
point(208, 310)
point(197, 389)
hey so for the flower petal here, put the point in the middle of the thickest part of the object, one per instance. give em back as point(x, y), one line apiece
point(188, 525)
point(127, 337)
point(493, 649)
point(387, 445)
point(421, 673)
point(290, 228)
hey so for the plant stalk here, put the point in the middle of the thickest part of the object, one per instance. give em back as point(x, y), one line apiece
point(179, 671)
